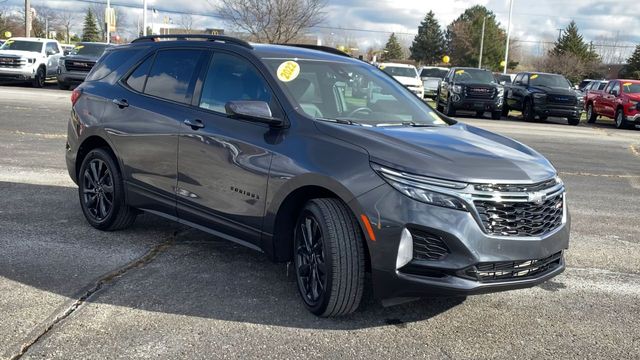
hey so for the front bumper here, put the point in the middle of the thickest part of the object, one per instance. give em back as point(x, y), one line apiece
point(558, 110)
point(390, 212)
point(19, 74)
point(477, 104)
point(635, 119)
point(70, 77)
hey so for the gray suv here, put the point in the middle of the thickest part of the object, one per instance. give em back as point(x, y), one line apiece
point(74, 67)
point(267, 146)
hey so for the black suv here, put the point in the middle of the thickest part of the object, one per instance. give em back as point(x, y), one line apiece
point(269, 146)
point(74, 67)
point(470, 89)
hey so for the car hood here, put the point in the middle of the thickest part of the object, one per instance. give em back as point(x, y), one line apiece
point(555, 90)
point(405, 80)
point(19, 53)
point(634, 96)
point(459, 152)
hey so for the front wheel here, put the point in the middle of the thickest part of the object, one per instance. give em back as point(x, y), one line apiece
point(450, 110)
point(574, 121)
point(527, 112)
point(329, 258)
point(63, 85)
point(101, 191)
point(496, 115)
point(38, 80)
point(591, 115)
point(621, 121)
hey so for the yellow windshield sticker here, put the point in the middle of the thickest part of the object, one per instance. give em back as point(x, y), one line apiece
point(9, 42)
point(288, 71)
point(534, 76)
point(627, 84)
point(459, 72)
point(381, 67)
point(78, 47)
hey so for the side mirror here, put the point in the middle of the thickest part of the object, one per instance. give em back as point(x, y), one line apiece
point(257, 111)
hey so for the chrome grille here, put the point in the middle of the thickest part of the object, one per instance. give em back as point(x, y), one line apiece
point(11, 62)
point(521, 218)
point(78, 65)
point(562, 99)
point(479, 92)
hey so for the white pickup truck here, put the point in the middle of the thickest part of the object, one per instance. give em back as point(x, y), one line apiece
point(29, 59)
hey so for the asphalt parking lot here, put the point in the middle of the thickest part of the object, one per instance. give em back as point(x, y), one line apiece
point(160, 290)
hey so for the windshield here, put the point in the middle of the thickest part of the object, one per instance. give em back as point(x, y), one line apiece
point(399, 71)
point(549, 80)
point(32, 46)
point(353, 93)
point(473, 75)
point(631, 88)
point(433, 72)
point(88, 49)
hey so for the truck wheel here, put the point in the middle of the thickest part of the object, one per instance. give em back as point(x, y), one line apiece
point(505, 110)
point(574, 121)
point(591, 115)
point(621, 120)
point(527, 111)
point(63, 85)
point(479, 114)
point(329, 258)
point(496, 115)
point(38, 80)
point(439, 107)
point(543, 117)
point(450, 110)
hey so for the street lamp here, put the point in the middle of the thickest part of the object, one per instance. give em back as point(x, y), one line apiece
point(506, 52)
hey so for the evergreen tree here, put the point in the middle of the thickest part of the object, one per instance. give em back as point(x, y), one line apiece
point(393, 50)
point(572, 43)
point(632, 70)
point(464, 35)
point(90, 29)
point(428, 45)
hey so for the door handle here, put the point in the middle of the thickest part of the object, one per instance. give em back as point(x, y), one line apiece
point(195, 124)
point(122, 103)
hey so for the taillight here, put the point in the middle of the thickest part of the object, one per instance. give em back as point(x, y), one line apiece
point(75, 95)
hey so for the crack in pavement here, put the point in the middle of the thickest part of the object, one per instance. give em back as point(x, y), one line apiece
point(97, 286)
point(635, 149)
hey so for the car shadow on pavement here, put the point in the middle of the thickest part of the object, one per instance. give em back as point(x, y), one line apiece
point(51, 247)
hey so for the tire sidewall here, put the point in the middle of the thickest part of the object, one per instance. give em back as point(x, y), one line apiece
point(38, 81)
point(620, 121)
point(312, 209)
point(118, 188)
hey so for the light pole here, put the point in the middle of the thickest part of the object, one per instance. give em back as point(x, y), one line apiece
point(484, 21)
point(106, 20)
point(144, 17)
point(27, 18)
point(506, 52)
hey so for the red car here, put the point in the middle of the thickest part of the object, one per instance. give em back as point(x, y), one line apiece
point(620, 100)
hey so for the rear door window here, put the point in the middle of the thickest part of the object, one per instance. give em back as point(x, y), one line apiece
point(138, 77)
point(173, 74)
point(109, 62)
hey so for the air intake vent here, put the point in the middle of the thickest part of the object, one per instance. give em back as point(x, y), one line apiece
point(427, 246)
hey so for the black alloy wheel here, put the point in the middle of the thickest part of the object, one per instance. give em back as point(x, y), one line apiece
point(527, 112)
point(310, 261)
point(97, 189)
point(39, 79)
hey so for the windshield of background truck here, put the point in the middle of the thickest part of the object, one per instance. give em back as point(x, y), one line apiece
point(434, 73)
point(473, 76)
point(631, 88)
point(549, 80)
point(355, 93)
point(23, 45)
point(399, 71)
point(86, 49)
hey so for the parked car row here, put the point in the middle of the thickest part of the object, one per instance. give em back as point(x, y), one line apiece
point(36, 60)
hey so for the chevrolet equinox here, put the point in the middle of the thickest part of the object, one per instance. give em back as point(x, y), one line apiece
point(269, 146)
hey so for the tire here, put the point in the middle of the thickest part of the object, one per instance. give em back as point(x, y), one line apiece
point(38, 80)
point(99, 178)
point(591, 115)
point(496, 115)
point(479, 114)
point(543, 117)
point(439, 107)
point(335, 246)
point(63, 86)
point(505, 110)
point(621, 121)
point(449, 110)
point(574, 121)
point(527, 111)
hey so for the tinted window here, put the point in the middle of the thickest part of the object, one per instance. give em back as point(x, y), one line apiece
point(549, 80)
point(22, 45)
point(434, 72)
point(89, 49)
point(52, 47)
point(615, 88)
point(518, 78)
point(231, 78)
point(137, 78)
point(172, 73)
point(602, 86)
point(399, 71)
point(109, 62)
point(473, 75)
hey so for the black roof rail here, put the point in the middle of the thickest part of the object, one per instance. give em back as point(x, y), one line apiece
point(207, 37)
point(326, 49)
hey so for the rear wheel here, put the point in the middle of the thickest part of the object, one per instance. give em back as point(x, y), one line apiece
point(621, 120)
point(574, 121)
point(479, 114)
point(505, 110)
point(496, 115)
point(40, 76)
point(101, 192)
point(591, 115)
point(329, 258)
point(63, 85)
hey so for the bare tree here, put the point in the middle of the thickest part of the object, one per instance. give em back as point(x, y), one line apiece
point(186, 22)
point(98, 11)
point(65, 21)
point(273, 21)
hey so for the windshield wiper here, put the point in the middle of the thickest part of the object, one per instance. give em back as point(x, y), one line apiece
point(405, 123)
point(340, 121)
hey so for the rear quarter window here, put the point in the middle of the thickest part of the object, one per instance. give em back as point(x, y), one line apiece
point(109, 62)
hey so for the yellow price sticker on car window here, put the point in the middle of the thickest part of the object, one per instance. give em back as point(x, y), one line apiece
point(288, 71)
point(459, 72)
point(534, 76)
point(9, 42)
point(381, 67)
point(627, 84)
point(78, 47)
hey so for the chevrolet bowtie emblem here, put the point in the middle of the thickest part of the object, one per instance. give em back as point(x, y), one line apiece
point(537, 197)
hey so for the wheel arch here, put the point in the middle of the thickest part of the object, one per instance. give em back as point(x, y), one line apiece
point(90, 143)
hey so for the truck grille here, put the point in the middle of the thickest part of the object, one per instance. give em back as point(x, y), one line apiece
point(562, 99)
point(428, 246)
point(78, 65)
point(521, 218)
point(512, 270)
point(11, 62)
point(479, 92)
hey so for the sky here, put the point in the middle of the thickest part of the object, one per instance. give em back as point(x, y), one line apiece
point(534, 21)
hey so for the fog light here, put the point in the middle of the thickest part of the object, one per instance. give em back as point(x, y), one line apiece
point(405, 249)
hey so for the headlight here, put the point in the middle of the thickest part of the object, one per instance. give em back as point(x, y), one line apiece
point(456, 89)
point(60, 62)
point(500, 91)
point(540, 96)
point(427, 190)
